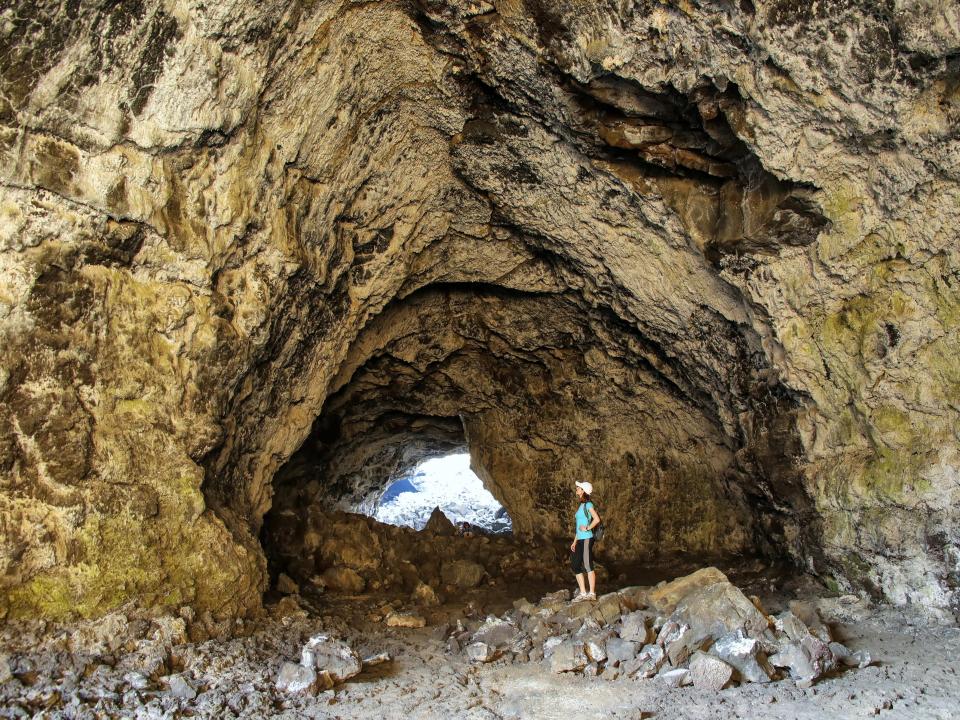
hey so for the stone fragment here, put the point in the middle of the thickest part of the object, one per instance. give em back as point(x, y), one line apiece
point(5, 671)
point(646, 664)
point(286, 585)
point(683, 646)
point(568, 656)
point(635, 627)
point(744, 655)
point(790, 625)
point(665, 596)
point(439, 524)
point(842, 655)
point(296, 679)
point(596, 649)
point(334, 656)
point(676, 677)
point(405, 620)
point(607, 609)
point(177, 686)
point(709, 673)
point(425, 595)
point(620, 651)
point(377, 659)
point(464, 574)
point(343, 579)
point(807, 660)
point(480, 652)
point(670, 631)
point(591, 670)
point(496, 632)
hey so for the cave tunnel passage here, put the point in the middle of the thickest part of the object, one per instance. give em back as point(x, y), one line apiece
point(543, 394)
point(446, 483)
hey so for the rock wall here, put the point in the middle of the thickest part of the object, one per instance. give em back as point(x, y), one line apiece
point(702, 253)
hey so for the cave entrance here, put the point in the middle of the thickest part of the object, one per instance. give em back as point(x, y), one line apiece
point(448, 483)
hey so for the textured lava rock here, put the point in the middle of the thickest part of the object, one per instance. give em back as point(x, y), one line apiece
point(272, 255)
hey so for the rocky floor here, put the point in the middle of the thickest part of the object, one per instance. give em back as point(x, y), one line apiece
point(130, 667)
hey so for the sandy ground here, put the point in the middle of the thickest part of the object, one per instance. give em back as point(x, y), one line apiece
point(56, 675)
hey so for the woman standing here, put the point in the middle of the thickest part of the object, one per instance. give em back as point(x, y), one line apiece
point(581, 558)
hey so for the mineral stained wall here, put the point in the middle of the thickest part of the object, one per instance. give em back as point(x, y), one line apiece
point(254, 255)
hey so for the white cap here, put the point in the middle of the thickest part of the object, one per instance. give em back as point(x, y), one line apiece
point(586, 487)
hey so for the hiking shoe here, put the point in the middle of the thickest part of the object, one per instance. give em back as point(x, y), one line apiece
point(590, 596)
point(580, 597)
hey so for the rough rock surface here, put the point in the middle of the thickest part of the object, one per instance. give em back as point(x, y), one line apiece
point(271, 255)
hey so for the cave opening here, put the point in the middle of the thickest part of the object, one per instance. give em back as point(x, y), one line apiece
point(446, 483)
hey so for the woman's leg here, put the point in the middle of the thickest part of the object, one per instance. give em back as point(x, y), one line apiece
point(576, 564)
point(587, 558)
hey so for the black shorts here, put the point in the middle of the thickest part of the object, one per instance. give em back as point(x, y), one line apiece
point(581, 559)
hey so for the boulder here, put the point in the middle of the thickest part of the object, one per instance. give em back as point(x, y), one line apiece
point(568, 656)
point(635, 627)
point(744, 655)
point(343, 579)
point(463, 574)
point(333, 656)
point(439, 524)
point(620, 651)
point(607, 609)
point(709, 673)
point(665, 596)
point(496, 632)
point(717, 609)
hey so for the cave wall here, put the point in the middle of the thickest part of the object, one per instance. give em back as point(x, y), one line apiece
point(743, 214)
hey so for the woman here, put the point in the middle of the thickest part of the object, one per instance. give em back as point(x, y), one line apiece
point(582, 546)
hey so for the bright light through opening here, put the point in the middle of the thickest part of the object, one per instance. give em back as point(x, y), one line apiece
point(447, 483)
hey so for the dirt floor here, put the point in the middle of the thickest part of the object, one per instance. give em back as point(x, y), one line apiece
point(131, 667)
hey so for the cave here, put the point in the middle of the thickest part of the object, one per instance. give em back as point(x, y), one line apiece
point(262, 259)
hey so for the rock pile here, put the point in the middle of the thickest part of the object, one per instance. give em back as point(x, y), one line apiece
point(699, 629)
point(348, 553)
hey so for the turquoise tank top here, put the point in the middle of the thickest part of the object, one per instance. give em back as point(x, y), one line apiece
point(583, 517)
